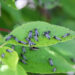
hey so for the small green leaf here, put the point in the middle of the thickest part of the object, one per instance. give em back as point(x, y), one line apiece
point(9, 59)
point(21, 33)
point(4, 70)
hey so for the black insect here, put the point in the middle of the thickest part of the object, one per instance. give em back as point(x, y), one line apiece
point(54, 69)
point(29, 42)
point(9, 37)
point(23, 49)
point(8, 50)
point(34, 48)
point(27, 39)
point(3, 55)
point(36, 37)
point(22, 42)
point(23, 61)
point(50, 62)
point(15, 39)
point(66, 35)
point(30, 35)
point(47, 34)
point(57, 38)
point(36, 32)
point(22, 55)
point(13, 46)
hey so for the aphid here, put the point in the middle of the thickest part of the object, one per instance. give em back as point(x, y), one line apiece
point(3, 55)
point(35, 37)
point(29, 41)
point(23, 57)
point(9, 37)
point(15, 39)
point(50, 62)
point(34, 48)
point(8, 50)
point(54, 69)
point(36, 32)
point(30, 35)
point(22, 42)
point(23, 49)
point(67, 34)
point(23, 61)
point(13, 46)
point(57, 38)
point(47, 34)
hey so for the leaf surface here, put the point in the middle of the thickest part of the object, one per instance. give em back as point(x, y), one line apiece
point(8, 58)
point(21, 33)
point(4, 70)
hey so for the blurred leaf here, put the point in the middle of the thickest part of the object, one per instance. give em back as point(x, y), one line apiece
point(1, 37)
point(10, 3)
point(60, 17)
point(29, 15)
point(14, 14)
point(69, 6)
point(8, 58)
point(7, 71)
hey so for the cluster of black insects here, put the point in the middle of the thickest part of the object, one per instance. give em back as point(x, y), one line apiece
point(28, 39)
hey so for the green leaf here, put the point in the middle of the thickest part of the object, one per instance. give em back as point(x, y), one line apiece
point(69, 6)
point(4, 70)
point(21, 33)
point(66, 49)
point(38, 61)
point(10, 3)
point(9, 59)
